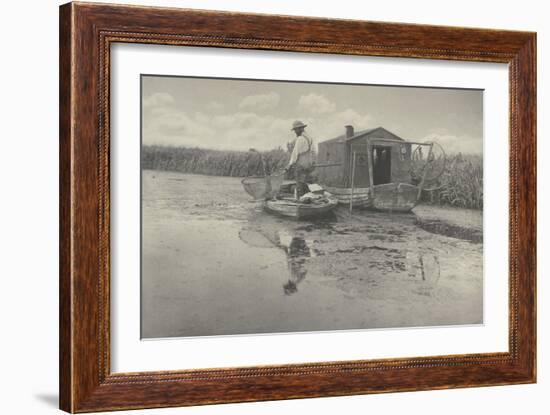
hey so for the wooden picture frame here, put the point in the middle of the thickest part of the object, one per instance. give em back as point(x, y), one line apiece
point(86, 33)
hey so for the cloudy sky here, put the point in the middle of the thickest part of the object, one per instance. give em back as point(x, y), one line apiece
point(240, 114)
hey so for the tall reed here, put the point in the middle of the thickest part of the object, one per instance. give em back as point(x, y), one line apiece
point(212, 162)
point(460, 185)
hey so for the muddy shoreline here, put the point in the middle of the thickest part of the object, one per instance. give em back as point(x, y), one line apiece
point(466, 224)
point(215, 263)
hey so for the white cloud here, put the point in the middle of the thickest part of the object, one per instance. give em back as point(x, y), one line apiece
point(215, 106)
point(261, 101)
point(316, 104)
point(326, 126)
point(158, 99)
point(241, 130)
point(453, 144)
point(169, 126)
point(237, 131)
point(351, 117)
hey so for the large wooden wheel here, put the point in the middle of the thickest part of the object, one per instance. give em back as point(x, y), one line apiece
point(427, 164)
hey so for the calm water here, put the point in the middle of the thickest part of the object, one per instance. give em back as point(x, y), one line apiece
point(214, 263)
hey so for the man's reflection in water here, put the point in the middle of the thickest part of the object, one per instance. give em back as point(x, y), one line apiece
point(297, 251)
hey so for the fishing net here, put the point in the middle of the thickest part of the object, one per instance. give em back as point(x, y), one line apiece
point(263, 187)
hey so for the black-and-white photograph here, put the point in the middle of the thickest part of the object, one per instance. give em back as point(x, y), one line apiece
point(273, 206)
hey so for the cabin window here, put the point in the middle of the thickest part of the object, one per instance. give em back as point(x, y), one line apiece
point(381, 164)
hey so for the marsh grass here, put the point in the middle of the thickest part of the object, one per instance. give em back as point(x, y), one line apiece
point(461, 184)
point(212, 162)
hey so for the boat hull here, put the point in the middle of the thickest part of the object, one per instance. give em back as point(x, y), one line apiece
point(361, 196)
point(389, 197)
point(292, 209)
point(394, 197)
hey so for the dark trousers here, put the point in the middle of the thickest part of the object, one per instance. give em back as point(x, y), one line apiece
point(303, 176)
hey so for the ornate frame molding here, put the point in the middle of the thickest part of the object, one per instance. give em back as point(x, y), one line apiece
point(86, 33)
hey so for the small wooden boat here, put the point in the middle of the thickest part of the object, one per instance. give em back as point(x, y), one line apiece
point(277, 197)
point(395, 197)
point(390, 197)
point(289, 207)
point(360, 196)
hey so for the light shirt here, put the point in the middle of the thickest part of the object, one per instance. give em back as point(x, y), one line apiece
point(302, 153)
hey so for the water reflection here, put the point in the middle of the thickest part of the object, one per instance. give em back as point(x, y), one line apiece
point(297, 251)
point(420, 264)
point(424, 267)
point(295, 246)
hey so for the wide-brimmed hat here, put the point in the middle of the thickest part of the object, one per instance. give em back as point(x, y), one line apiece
point(298, 124)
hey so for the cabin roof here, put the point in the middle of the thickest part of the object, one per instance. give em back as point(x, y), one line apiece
point(359, 134)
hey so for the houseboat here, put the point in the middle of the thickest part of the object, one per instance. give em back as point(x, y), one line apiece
point(375, 168)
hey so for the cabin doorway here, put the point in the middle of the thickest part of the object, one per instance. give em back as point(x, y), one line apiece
point(381, 164)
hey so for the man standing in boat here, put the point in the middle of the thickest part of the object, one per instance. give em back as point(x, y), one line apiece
point(301, 159)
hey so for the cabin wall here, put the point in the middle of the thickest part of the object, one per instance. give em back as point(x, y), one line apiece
point(401, 163)
point(361, 179)
point(340, 152)
point(331, 153)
